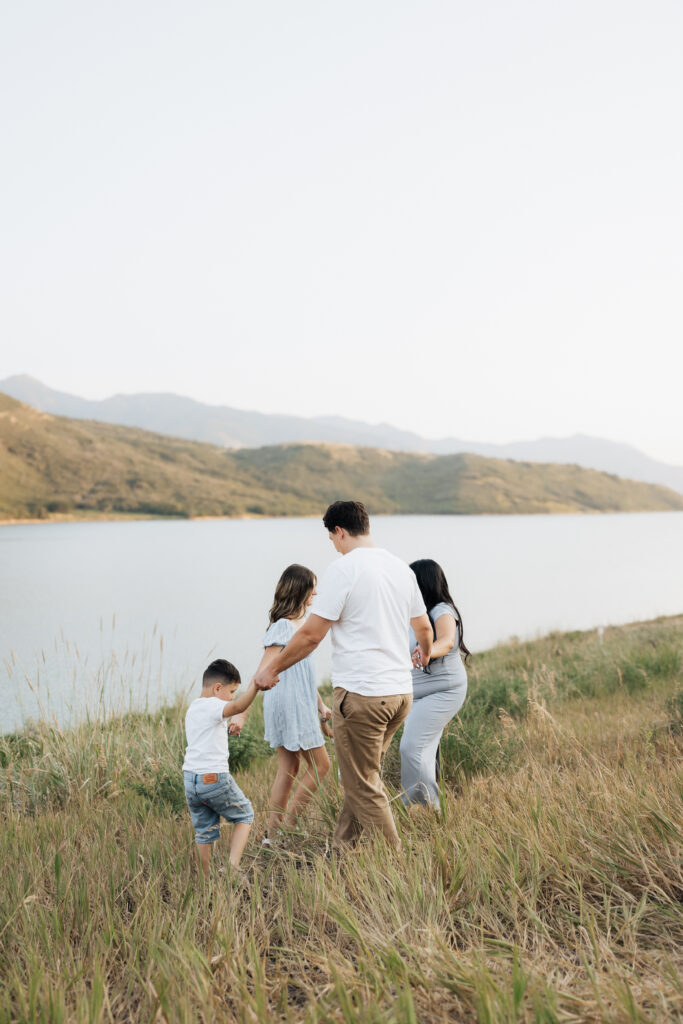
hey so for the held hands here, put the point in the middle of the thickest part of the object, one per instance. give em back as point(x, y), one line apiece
point(420, 659)
point(265, 678)
point(236, 724)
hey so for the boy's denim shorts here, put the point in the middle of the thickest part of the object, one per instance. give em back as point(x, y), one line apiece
point(209, 802)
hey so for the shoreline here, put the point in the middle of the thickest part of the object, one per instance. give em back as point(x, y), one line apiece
point(132, 517)
point(141, 517)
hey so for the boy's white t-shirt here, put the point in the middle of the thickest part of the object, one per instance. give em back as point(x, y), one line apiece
point(207, 736)
point(370, 596)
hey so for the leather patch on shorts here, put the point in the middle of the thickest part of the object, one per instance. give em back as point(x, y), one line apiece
point(209, 779)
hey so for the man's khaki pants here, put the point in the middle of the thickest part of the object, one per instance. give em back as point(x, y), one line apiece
point(363, 729)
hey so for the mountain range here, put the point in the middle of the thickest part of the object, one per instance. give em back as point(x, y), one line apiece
point(183, 417)
point(56, 466)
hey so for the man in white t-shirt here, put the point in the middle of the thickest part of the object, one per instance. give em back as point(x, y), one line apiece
point(368, 599)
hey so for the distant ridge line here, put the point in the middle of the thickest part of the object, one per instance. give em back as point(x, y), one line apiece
point(178, 416)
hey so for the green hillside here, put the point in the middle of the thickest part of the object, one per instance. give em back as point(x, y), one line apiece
point(52, 466)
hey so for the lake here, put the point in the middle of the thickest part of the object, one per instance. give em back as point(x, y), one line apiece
point(101, 615)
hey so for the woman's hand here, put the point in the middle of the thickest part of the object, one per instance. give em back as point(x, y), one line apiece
point(237, 723)
point(325, 714)
point(419, 658)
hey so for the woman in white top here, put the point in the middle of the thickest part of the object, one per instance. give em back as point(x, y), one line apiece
point(293, 710)
point(439, 690)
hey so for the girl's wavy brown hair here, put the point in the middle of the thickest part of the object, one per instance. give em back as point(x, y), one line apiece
point(291, 593)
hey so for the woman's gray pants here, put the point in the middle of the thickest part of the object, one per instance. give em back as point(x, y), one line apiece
point(427, 720)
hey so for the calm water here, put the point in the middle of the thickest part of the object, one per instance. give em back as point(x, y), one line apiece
point(95, 614)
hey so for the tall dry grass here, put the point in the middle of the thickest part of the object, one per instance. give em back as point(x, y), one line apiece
point(548, 888)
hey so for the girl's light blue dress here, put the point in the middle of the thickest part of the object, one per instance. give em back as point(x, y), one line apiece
point(290, 709)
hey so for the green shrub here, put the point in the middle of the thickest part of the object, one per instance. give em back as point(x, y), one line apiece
point(247, 748)
point(674, 707)
point(18, 746)
point(165, 792)
point(488, 695)
point(159, 508)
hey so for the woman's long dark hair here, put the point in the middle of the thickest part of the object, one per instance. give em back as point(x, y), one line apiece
point(433, 585)
point(291, 593)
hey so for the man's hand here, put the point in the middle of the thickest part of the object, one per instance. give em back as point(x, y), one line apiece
point(236, 724)
point(305, 640)
point(266, 678)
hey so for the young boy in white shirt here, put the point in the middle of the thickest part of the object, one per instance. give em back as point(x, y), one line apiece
point(210, 791)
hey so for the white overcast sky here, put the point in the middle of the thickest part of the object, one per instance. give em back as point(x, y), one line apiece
point(463, 218)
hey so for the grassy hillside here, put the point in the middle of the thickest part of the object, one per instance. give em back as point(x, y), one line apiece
point(548, 888)
point(56, 466)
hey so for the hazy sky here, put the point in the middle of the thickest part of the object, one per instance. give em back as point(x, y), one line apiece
point(463, 218)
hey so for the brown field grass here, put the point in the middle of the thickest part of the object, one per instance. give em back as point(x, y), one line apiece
point(549, 888)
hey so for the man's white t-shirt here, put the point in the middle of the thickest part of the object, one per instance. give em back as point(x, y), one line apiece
point(370, 596)
point(207, 736)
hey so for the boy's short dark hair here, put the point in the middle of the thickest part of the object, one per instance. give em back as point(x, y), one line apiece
point(220, 671)
point(350, 515)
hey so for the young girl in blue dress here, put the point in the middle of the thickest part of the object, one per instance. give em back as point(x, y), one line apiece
point(293, 710)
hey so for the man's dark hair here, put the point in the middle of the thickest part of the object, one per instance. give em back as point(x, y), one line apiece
point(220, 671)
point(350, 515)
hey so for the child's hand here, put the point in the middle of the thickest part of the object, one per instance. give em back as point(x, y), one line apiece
point(236, 724)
